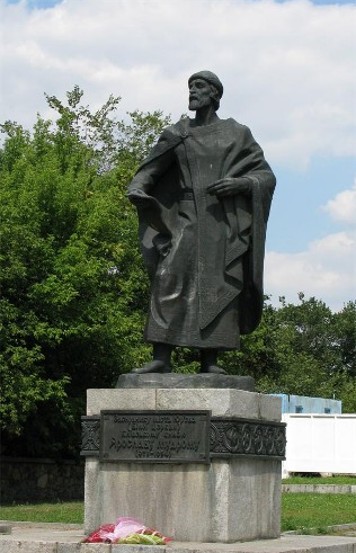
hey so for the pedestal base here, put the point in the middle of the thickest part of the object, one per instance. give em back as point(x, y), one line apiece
point(176, 380)
point(229, 500)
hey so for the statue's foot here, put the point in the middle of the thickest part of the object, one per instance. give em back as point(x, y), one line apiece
point(153, 367)
point(213, 369)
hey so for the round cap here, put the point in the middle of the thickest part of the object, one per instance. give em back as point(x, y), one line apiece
point(210, 78)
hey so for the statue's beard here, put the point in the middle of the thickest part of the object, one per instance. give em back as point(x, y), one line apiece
point(193, 104)
point(199, 103)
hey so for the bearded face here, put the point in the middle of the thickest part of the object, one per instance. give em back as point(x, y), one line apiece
point(201, 94)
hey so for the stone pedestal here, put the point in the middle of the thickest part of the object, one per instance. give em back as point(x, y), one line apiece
point(231, 499)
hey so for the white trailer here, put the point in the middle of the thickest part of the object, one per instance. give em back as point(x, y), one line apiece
point(320, 443)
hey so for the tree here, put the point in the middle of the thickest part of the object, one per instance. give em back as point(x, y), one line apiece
point(345, 337)
point(72, 282)
point(303, 349)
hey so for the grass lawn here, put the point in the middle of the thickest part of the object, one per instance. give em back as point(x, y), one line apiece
point(312, 510)
point(71, 512)
point(338, 480)
point(299, 511)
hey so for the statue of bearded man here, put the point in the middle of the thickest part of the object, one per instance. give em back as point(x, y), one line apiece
point(203, 197)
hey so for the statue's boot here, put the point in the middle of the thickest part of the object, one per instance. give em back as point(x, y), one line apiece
point(213, 369)
point(153, 367)
point(208, 359)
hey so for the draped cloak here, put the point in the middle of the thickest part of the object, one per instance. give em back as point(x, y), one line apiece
point(204, 255)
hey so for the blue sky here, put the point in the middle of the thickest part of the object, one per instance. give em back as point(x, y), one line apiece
point(307, 191)
point(33, 4)
point(43, 4)
point(289, 73)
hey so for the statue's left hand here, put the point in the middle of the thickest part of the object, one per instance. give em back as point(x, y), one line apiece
point(230, 186)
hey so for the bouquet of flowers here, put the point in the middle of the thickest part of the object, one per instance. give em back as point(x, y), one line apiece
point(127, 530)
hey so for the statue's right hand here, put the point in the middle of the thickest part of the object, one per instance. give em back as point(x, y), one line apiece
point(230, 186)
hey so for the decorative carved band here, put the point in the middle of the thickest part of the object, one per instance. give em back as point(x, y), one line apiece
point(232, 437)
point(229, 438)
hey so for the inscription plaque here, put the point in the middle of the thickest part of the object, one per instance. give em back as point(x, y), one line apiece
point(155, 437)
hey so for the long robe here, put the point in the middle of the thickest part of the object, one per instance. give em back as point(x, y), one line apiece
point(204, 254)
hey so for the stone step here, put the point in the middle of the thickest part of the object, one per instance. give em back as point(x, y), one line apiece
point(319, 488)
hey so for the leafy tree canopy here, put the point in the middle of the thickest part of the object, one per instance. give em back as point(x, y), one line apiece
point(303, 349)
point(73, 289)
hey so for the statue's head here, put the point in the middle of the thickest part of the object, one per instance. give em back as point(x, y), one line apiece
point(204, 88)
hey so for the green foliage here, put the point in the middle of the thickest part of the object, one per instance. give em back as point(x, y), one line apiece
point(73, 288)
point(303, 349)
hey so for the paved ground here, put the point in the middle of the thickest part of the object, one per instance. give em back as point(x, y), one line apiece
point(58, 538)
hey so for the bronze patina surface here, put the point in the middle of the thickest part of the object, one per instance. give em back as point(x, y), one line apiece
point(203, 197)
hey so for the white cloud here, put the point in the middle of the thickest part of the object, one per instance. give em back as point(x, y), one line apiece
point(287, 67)
point(343, 207)
point(326, 270)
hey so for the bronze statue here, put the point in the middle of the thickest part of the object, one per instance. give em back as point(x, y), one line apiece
point(203, 197)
